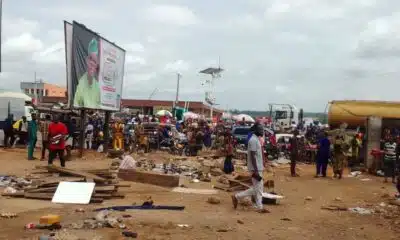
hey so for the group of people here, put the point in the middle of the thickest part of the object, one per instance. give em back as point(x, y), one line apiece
point(330, 148)
point(53, 134)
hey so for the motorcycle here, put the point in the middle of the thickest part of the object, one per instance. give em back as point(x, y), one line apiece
point(271, 151)
point(130, 141)
point(70, 140)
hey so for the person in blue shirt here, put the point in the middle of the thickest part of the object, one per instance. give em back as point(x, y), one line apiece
point(323, 155)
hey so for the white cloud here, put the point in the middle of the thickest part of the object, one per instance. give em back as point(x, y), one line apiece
point(84, 11)
point(280, 46)
point(132, 79)
point(53, 54)
point(177, 66)
point(17, 26)
point(380, 37)
point(151, 39)
point(135, 60)
point(134, 47)
point(315, 9)
point(24, 43)
point(171, 14)
point(281, 89)
point(244, 21)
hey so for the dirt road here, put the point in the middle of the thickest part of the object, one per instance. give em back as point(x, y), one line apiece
point(294, 218)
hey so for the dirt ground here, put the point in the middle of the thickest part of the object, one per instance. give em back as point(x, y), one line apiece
point(294, 218)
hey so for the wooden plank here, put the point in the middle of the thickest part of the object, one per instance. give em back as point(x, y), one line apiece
point(40, 196)
point(53, 189)
point(395, 202)
point(96, 200)
point(76, 173)
point(162, 180)
point(117, 195)
point(105, 189)
point(58, 180)
point(239, 183)
point(102, 195)
point(195, 191)
point(19, 194)
point(49, 196)
point(42, 190)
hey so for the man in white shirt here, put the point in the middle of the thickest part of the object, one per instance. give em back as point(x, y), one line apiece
point(256, 167)
point(89, 135)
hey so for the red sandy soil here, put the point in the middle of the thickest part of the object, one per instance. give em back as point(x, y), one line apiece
point(307, 220)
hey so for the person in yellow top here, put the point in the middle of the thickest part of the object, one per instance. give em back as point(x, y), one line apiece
point(118, 138)
point(87, 94)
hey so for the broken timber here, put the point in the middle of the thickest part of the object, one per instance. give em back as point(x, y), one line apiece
point(162, 180)
point(76, 173)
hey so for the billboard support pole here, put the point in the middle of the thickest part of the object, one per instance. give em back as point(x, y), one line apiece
point(106, 131)
point(82, 134)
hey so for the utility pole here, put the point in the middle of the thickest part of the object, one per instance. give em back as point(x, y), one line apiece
point(1, 29)
point(178, 75)
point(178, 78)
point(36, 87)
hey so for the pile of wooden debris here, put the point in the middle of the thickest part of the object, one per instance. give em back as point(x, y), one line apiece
point(235, 183)
point(107, 184)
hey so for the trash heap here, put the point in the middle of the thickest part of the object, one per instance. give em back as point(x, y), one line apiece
point(44, 187)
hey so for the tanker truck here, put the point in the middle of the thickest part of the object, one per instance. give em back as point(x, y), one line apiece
point(356, 112)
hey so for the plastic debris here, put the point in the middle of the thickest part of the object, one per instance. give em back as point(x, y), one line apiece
point(361, 211)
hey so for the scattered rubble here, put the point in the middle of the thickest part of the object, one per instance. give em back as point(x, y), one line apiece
point(8, 215)
point(107, 184)
point(361, 211)
point(214, 200)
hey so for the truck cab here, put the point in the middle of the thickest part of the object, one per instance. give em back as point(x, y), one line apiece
point(284, 116)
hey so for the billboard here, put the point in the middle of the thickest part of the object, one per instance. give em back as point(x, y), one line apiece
point(95, 69)
point(68, 58)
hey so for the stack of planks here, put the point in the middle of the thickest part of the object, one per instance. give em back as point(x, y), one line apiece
point(233, 184)
point(107, 184)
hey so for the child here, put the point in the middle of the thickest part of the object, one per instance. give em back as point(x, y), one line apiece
point(228, 165)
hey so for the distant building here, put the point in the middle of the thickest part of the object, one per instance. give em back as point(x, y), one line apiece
point(42, 89)
point(148, 107)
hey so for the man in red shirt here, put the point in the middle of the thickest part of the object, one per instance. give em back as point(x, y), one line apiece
point(57, 133)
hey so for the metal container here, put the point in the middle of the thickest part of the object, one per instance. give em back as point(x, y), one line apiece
point(355, 112)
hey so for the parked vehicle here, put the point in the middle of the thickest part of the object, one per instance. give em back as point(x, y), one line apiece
point(284, 116)
point(16, 106)
point(240, 135)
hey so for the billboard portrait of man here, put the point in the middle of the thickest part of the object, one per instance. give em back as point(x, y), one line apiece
point(87, 94)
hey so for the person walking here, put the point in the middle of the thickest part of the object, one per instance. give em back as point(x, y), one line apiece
point(9, 137)
point(339, 156)
point(32, 136)
point(323, 155)
point(89, 135)
point(21, 126)
point(228, 164)
point(44, 130)
point(56, 136)
point(390, 159)
point(256, 167)
point(294, 153)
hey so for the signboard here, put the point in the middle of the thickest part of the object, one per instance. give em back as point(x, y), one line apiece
point(159, 108)
point(95, 69)
point(210, 99)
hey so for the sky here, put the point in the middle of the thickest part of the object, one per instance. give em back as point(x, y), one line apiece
point(302, 52)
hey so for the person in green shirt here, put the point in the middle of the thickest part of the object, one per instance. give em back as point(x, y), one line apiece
point(32, 136)
point(87, 94)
